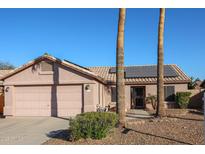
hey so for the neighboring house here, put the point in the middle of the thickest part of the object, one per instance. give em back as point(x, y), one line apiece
point(198, 84)
point(2, 73)
point(48, 86)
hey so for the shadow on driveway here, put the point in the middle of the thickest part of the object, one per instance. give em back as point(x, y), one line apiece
point(63, 118)
point(63, 134)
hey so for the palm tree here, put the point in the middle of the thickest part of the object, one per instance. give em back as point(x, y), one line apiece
point(160, 66)
point(120, 84)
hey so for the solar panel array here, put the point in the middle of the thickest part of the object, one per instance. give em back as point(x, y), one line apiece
point(146, 71)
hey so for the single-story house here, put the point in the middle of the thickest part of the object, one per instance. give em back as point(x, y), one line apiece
point(2, 73)
point(48, 86)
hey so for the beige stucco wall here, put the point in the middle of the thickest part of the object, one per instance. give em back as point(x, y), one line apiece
point(90, 100)
point(61, 76)
point(33, 76)
point(1, 99)
point(102, 95)
point(149, 89)
point(8, 100)
point(152, 89)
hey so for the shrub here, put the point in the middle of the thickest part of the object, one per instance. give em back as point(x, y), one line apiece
point(95, 125)
point(182, 98)
point(152, 99)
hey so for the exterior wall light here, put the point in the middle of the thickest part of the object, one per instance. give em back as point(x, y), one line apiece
point(6, 89)
point(87, 87)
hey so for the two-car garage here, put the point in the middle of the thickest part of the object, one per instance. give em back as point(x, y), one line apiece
point(47, 86)
point(62, 100)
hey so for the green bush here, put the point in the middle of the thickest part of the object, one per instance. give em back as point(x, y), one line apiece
point(182, 98)
point(95, 125)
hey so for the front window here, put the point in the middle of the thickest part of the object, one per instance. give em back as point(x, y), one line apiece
point(113, 94)
point(169, 93)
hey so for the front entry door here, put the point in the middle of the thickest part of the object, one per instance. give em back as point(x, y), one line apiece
point(137, 97)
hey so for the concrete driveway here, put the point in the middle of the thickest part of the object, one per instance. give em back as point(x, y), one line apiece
point(30, 130)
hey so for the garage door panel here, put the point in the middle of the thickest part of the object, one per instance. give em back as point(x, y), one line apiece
point(69, 100)
point(69, 106)
point(36, 100)
point(43, 106)
point(26, 112)
point(44, 97)
point(65, 113)
point(33, 105)
point(44, 112)
point(24, 97)
point(32, 100)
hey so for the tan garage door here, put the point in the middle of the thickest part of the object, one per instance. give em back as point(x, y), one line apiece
point(69, 100)
point(46, 100)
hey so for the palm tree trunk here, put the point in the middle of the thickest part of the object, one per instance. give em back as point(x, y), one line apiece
point(160, 65)
point(120, 85)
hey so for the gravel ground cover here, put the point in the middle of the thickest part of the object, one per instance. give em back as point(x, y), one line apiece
point(175, 129)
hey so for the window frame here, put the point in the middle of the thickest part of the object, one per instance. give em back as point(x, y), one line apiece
point(112, 97)
point(170, 98)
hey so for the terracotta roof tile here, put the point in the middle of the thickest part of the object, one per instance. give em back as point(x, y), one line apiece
point(4, 72)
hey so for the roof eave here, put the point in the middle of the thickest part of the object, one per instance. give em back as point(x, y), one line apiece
point(30, 63)
point(149, 83)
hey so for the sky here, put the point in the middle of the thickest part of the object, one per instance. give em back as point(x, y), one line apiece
point(88, 36)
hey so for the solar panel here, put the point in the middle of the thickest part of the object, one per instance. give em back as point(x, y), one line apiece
point(146, 71)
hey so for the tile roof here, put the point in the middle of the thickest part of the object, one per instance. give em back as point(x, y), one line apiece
point(4, 72)
point(104, 72)
point(57, 60)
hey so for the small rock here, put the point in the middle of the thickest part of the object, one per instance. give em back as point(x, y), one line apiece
point(151, 120)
